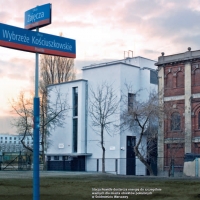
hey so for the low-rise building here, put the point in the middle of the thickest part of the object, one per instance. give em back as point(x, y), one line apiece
point(12, 143)
point(76, 145)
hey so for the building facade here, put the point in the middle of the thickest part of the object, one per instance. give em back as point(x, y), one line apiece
point(12, 143)
point(76, 146)
point(179, 89)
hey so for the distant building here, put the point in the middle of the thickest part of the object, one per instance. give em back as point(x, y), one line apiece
point(179, 86)
point(12, 143)
point(76, 146)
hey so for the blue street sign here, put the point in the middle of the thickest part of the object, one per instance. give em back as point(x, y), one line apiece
point(38, 17)
point(36, 42)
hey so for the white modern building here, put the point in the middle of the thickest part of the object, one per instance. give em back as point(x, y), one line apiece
point(76, 146)
point(12, 143)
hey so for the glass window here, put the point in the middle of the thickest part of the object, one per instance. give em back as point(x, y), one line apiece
point(14, 138)
point(5, 138)
point(75, 134)
point(154, 77)
point(75, 101)
point(56, 157)
point(10, 138)
point(131, 99)
point(175, 121)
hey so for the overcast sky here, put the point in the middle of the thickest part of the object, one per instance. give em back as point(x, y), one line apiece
point(103, 29)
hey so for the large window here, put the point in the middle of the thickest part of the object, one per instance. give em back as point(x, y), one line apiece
point(131, 99)
point(175, 121)
point(154, 77)
point(75, 101)
point(75, 134)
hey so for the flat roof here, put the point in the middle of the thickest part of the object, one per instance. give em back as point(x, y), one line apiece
point(78, 80)
point(123, 61)
point(188, 55)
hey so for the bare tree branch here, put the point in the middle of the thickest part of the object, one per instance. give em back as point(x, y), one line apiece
point(103, 106)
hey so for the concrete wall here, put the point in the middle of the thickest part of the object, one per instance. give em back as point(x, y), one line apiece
point(60, 138)
point(190, 168)
point(118, 76)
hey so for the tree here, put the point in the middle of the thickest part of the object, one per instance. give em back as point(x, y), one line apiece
point(51, 116)
point(103, 106)
point(142, 118)
point(53, 69)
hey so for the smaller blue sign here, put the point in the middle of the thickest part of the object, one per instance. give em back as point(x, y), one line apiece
point(38, 17)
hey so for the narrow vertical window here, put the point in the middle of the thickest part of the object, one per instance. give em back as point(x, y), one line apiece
point(180, 80)
point(75, 134)
point(197, 77)
point(175, 122)
point(75, 119)
point(75, 101)
point(169, 81)
point(131, 99)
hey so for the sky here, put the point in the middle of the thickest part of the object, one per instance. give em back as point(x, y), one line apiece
point(103, 30)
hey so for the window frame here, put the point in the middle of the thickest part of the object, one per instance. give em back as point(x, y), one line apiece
point(174, 117)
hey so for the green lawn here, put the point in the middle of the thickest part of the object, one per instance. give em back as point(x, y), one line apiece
point(80, 187)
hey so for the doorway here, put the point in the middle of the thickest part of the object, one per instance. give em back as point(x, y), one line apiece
point(130, 155)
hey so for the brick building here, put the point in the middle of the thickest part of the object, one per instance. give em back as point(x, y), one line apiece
point(179, 87)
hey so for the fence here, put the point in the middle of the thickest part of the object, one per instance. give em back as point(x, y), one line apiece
point(132, 166)
point(135, 166)
point(16, 161)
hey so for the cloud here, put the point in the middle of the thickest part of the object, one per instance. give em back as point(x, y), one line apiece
point(6, 124)
point(69, 24)
point(4, 16)
point(16, 68)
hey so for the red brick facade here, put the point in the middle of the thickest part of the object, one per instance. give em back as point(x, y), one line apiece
point(179, 90)
point(174, 80)
point(174, 86)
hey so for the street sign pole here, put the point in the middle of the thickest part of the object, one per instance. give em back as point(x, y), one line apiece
point(36, 137)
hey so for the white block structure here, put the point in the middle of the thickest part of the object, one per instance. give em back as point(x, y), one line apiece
point(76, 145)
